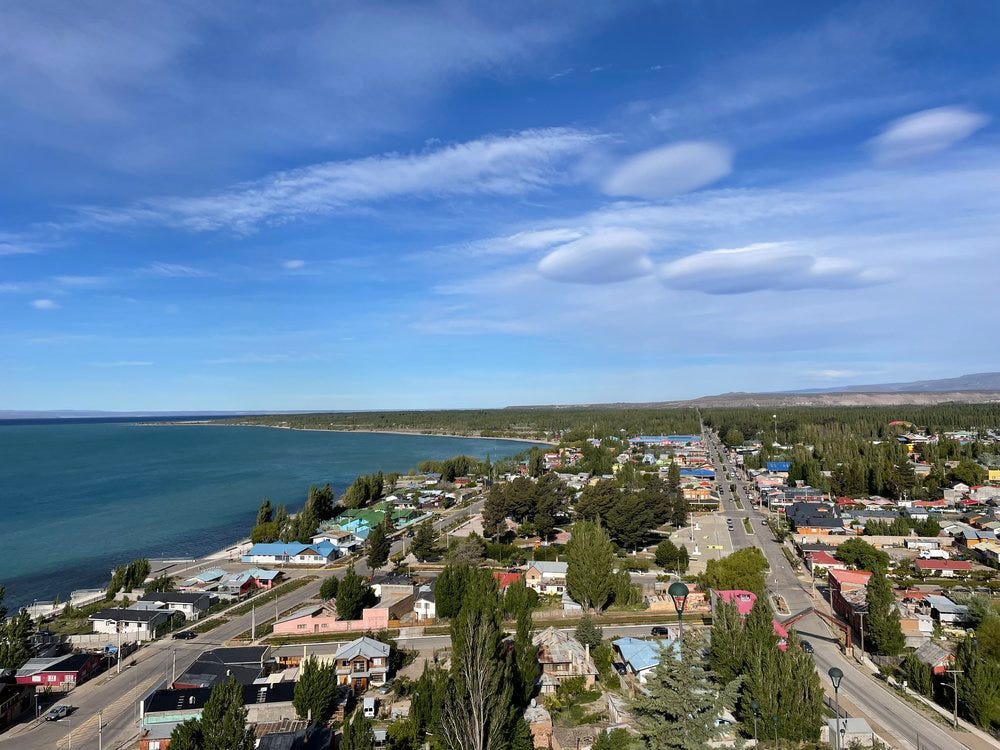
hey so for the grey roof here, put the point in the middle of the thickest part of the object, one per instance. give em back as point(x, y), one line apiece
point(315, 738)
point(932, 654)
point(363, 646)
point(552, 568)
point(946, 605)
point(131, 615)
point(424, 593)
point(173, 597)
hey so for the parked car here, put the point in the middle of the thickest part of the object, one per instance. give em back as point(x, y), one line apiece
point(185, 635)
point(660, 630)
point(807, 647)
point(57, 712)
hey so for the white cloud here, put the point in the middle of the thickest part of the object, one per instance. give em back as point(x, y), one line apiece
point(670, 170)
point(172, 271)
point(765, 266)
point(293, 265)
point(604, 257)
point(926, 132)
point(44, 304)
point(520, 163)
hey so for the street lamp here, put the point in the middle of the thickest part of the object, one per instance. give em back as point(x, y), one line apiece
point(836, 675)
point(755, 708)
point(678, 591)
point(776, 719)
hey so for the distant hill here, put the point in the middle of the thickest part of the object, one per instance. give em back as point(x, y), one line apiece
point(981, 381)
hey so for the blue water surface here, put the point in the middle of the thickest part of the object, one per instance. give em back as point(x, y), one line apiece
point(77, 499)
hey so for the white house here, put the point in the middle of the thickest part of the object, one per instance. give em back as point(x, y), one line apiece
point(423, 603)
point(133, 624)
point(189, 603)
point(546, 577)
point(294, 553)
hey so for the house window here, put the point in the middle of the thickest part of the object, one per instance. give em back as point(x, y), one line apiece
point(51, 678)
point(301, 627)
point(36, 678)
point(154, 745)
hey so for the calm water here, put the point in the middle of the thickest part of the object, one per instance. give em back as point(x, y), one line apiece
point(78, 499)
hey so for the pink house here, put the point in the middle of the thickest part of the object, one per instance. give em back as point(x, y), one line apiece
point(744, 601)
point(322, 618)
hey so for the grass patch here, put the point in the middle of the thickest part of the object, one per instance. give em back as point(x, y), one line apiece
point(748, 526)
point(204, 626)
point(738, 502)
point(275, 593)
point(792, 559)
point(73, 620)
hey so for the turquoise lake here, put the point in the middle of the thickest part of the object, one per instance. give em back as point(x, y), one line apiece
point(77, 499)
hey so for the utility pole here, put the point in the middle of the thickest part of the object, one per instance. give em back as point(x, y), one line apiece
point(173, 669)
point(862, 616)
point(119, 629)
point(954, 676)
point(100, 730)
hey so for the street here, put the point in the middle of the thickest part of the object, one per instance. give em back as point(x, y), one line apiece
point(860, 694)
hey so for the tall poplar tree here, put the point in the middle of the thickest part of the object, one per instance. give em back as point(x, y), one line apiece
point(882, 626)
point(379, 546)
point(477, 710)
point(590, 558)
point(224, 719)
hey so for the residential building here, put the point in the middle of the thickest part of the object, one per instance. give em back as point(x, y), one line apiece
point(131, 624)
point(562, 656)
point(391, 587)
point(935, 656)
point(322, 618)
point(189, 603)
point(641, 657)
point(546, 577)
point(315, 737)
point(944, 568)
point(164, 709)
point(362, 663)
point(246, 664)
point(294, 553)
point(58, 673)
point(424, 605)
point(947, 612)
point(820, 562)
point(14, 700)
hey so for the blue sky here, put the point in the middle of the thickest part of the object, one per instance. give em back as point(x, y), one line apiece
point(347, 205)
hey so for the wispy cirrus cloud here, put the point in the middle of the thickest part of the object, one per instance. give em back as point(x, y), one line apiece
point(124, 363)
point(172, 271)
point(927, 132)
point(44, 304)
point(527, 161)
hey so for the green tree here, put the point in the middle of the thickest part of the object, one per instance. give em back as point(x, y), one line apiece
point(862, 555)
point(224, 719)
point(978, 685)
point(743, 569)
point(265, 514)
point(14, 637)
point(315, 691)
point(494, 512)
point(590, 558)
point(358, 734)
point(526, 667)
point(187, 736)
point(423, 546)
point(403, 734)
point(478, 709)
point(450, 588)
point(379, 546)
point(918, 675)
point(588, 633)
point(732, 437)
point(353, 594)
point(522, 738)
point(328, 589)
point(320, 501)
point(683, 703)
point(624, 593)
point(882, 623)
point(519, 598)
point(629, 520)
point(968, 472)
point(679, 506)
point(597, 500)
point(667, 554)
point(727, 655)
point(264, 533)
point(536, 462)
point(613, 739)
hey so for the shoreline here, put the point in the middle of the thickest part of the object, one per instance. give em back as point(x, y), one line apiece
point(411, 433)
point(231, 551)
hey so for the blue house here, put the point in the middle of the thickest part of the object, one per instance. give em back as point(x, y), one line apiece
point(698, 473)
point(292, 553)
point(641, 657)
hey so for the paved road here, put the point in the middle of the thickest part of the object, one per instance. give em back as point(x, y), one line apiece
point(117, 695)
point(894, 719)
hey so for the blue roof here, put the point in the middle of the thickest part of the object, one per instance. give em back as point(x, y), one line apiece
point(700, 473)
point(209, 575)
point(642, 654)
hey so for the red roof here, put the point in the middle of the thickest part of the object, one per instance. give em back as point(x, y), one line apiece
point(506, 579)
point(931, 503)
point(744, 600)
point(857, 577)
point(943, 564)
point(824, 558)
